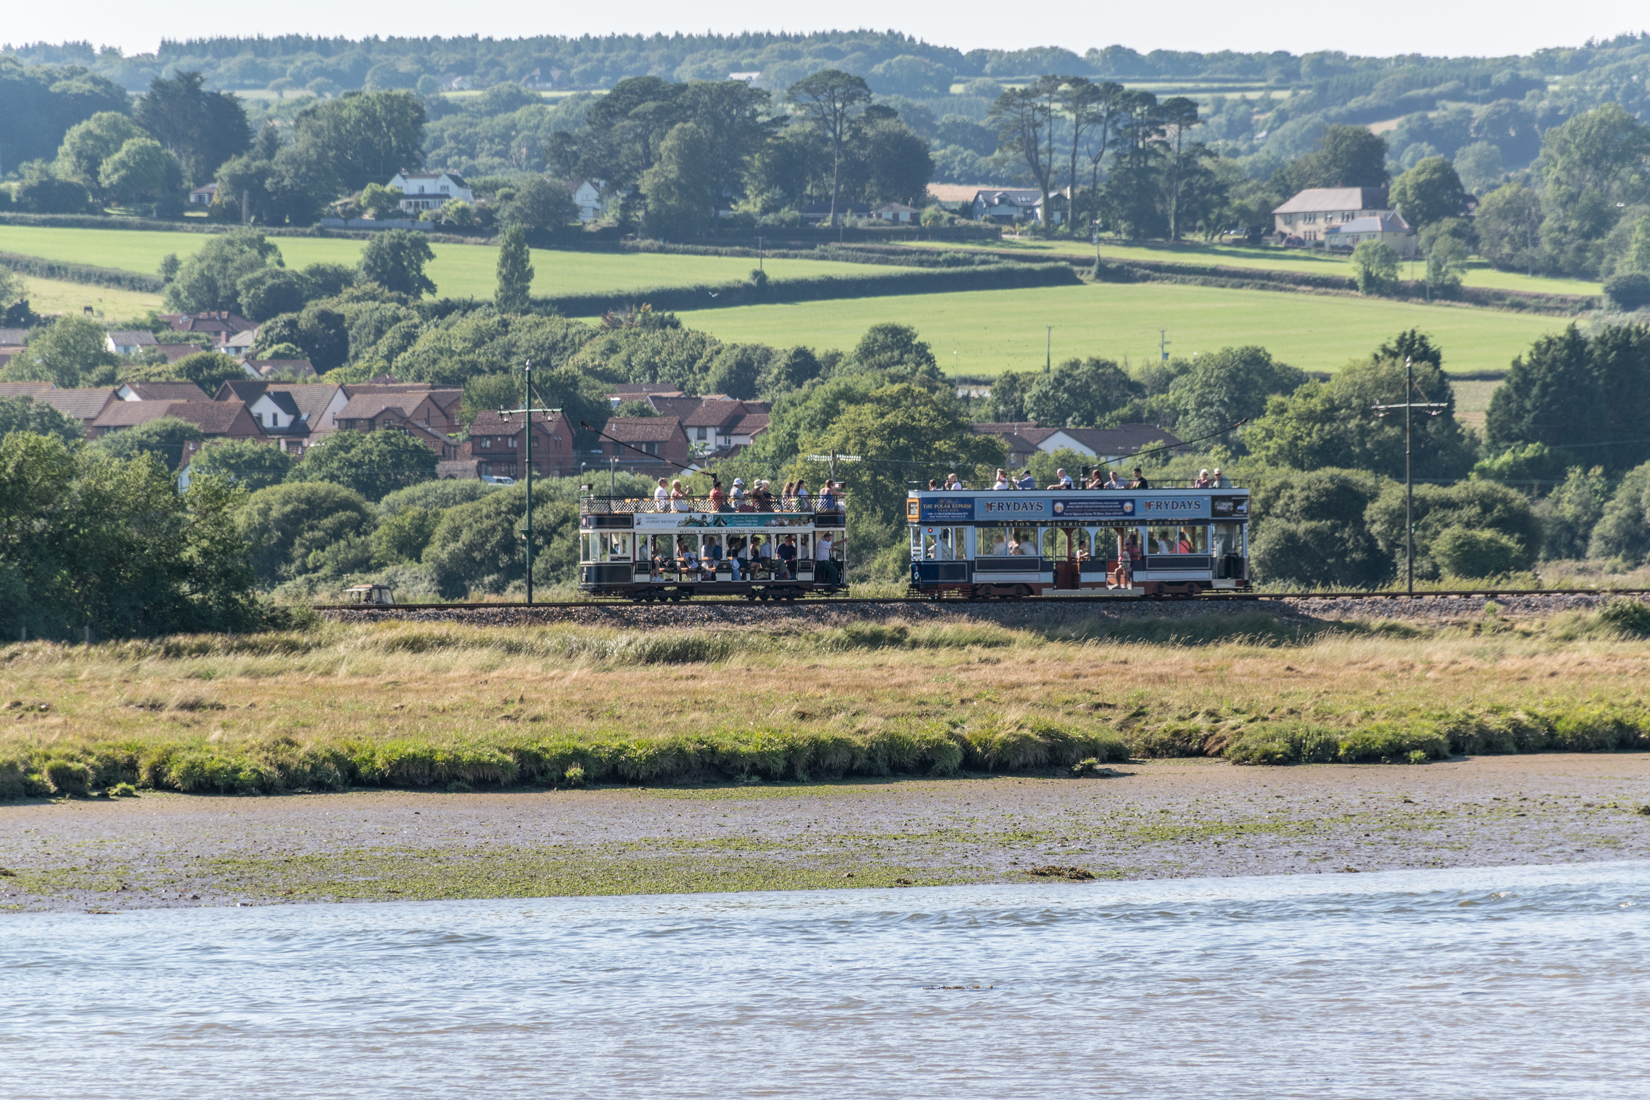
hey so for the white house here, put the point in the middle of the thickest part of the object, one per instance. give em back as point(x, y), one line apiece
point(1388, 227)
point(591, 197)
point(203, 196)
point(896, 212)
point(129, 343)
point(748, 78)
point(428, 190)
point(1017, 204)
point(1308, 213)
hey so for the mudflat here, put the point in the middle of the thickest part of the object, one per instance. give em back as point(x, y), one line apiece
point(1157, 819)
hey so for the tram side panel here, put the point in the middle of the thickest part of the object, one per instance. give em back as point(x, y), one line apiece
point(639, 553)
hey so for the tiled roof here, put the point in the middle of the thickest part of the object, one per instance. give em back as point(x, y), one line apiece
point(1388, 222)
point(714, 414)
point(212, 320)
point(750, 424)
point(13, 337)
point(24, 389)
point(1319, 199)
point(367, 406)
point(644, 429)
point(1122, 439)
point(679, 407)
point(312, 399)
point(212, 417)
point(626, 390)
point(489, 422)
point(80, 404)
point(174, 352)
point(165, 391)
point(139, 338)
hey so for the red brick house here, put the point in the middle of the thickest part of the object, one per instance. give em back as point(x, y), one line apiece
point(496, 446)
point(217, 420)
point(654, 445)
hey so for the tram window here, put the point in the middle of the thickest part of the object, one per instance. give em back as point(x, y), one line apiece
point(1161, 540)
point(1125, 542)
point(991, 542)
point(1193, 540)
point(617, 548)
point(916, 544)
point(664, 547)
point(1226, 539)
point(584, 548)
point(1060, 545)
point(1022, 541)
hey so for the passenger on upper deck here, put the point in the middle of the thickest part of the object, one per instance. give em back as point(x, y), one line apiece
point(718, 499)
point(1115, 482)
point(953, 484)
point(801, 495)
point(1002, 481)
point(1140, 481)
point(661, 496)
point(1092, 479)
point(1202, 480)
point(1218, 481)
point(738, 495)
point(1027, 480)
point(761, 499)
point(827, 501)
point(1062, 480)
point(679, 499)
point(933, 485)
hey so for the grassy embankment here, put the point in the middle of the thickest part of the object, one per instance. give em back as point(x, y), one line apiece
point(458, 271)
point(452, 707)
point(994, 331)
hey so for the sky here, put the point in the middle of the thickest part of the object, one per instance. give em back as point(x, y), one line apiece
point(1451, 27)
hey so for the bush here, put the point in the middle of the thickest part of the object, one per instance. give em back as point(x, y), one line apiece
point(1628, 616)
point(1628, 292)
point(1476, 553)
point(370, 463)
point(68, 777)
point(1375, 267)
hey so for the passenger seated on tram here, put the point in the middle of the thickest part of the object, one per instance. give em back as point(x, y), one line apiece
point(1092, 479)
point(713, 553)
point(1028, 480)
point(761, 498)
point(1115, 482)
point(718, 499)
point(827, 501)
point(1140, 481)
point(686, 559)
point(786, 553)
point(661, 496)
point(1218, 480)
point(1202, 480)
point(1062, 480)
point(1131, 546)
point(1185, 544)
point(801, 495)
point(933, 485)
point(679, 499)
point(999, 545)
point(1002, 482)
point(953, 483)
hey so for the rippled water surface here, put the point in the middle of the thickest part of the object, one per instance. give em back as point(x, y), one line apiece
point(1503, 982)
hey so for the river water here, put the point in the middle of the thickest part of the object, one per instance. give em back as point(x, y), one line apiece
point(1464, 983)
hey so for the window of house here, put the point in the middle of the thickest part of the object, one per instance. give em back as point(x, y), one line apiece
point(651, 448)
point(701, 432)
point(486, 443)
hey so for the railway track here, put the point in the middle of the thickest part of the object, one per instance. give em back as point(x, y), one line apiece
point(1206, 597)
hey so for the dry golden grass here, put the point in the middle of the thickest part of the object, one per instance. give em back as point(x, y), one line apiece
point(350, 704)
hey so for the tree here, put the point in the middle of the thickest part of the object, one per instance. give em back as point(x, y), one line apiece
point(1480, 168)
point(1473, 553)
point(1474, 506)
point(1571, 512)
point(733, 117)
point(288, 529)
point(322, 333)
point(201, 129)
point(70, 353)
point(1311, 531)
point(737, 370)
point(167, 438)
point(1623, 530)
point(210, 279)
point(1078, 393)
point(1571, 391)
point(49, 195)
point(270, 291)
point(1092, 109)
point(327, 280)
point(542, 205)
point(1025, 126)
point(208, 369)
point(1628, 291)
point(1230, 385)
point(515, 271)
point(358, 138)
point(369, 463)
point(401, 539)
point(788, 369)
point(1178, 116)
point(248, 463)
point(893, 351)
point(140, 170)
point(830, 99)
point(1347, 156)
point(680, 187)
point(478, 547)
point(1509, 228)
point(25, 414)
point(395, 259)
point(1429, 193)
point(1332, 424)
point(1446, 259)
point(1375, 267)
point(381, 202)
point(887, 161)
point(88, 144)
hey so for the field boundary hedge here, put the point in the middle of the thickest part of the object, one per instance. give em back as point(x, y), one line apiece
point(87, 274)
point(823, 288)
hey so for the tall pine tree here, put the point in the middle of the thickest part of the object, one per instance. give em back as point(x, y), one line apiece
point(515, 271)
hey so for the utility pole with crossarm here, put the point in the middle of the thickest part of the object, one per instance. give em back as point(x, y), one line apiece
point(527, 447)
point(1409, 405)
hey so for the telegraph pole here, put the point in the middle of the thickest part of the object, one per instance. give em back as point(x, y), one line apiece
point(1048, 352)
point(1432, 408)
point(527, 448)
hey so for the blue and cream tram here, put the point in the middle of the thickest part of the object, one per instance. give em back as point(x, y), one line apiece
point(674, 549)
point(1093, 542)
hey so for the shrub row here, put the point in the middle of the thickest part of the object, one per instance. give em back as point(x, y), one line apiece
point(775, 753)
point(822, 288)
point(86, 274)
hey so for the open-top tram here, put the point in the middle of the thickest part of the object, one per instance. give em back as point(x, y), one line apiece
point(983, 544)
point(649, 550)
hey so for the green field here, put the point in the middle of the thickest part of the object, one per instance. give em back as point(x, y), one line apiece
point(459, 270)
point(997, 330)
point(109, 304)
point(1274, 259)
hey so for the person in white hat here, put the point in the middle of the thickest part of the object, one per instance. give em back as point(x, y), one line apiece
point(738, 489)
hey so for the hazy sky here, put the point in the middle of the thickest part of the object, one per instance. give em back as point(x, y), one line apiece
point(1452, 27)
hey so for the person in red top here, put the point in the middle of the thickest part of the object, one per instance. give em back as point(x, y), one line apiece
point(718, 499)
